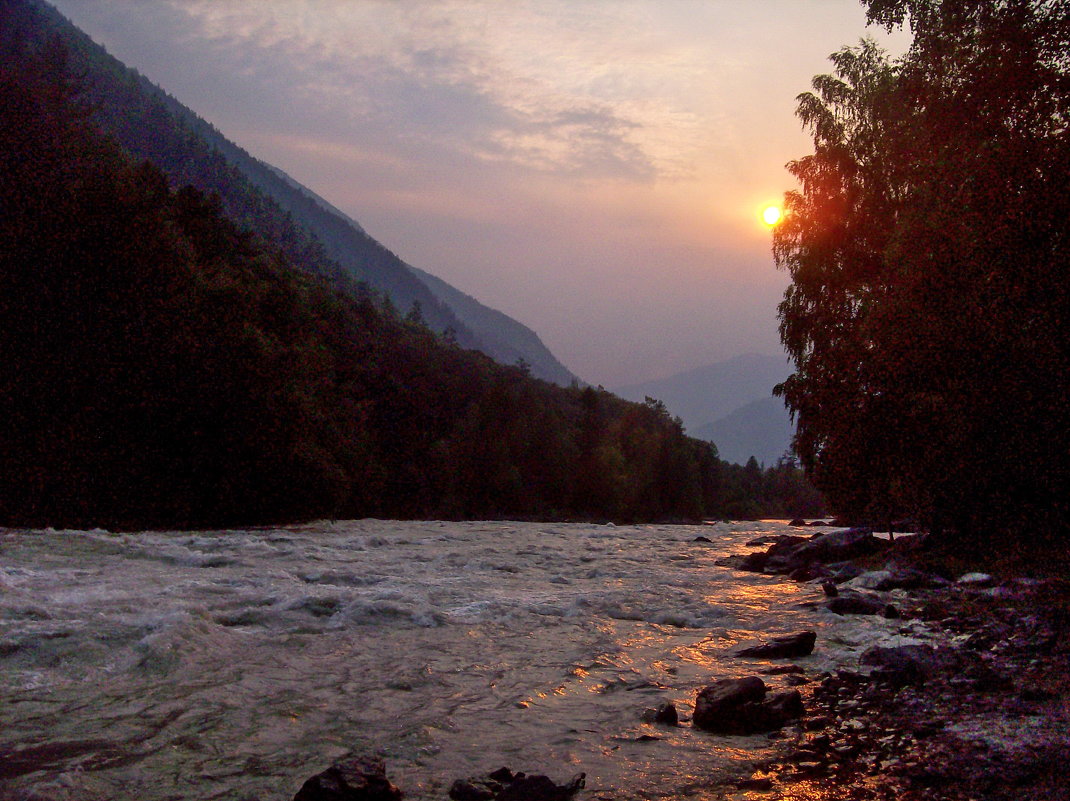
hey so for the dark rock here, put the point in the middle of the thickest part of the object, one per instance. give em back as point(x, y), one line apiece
point(760, 784)
point(829, 587)
point(667, 715)
point(837, 546)
point(359, 778)
point(700, 538)
point(908, 664)
point(766, 539)
point(504, 785)
point(785, 706)
point(468, 790)
point(845, 571)
point(890, 612)
point(541, 788)
point(809, 572)
point(780, 670)
point(855, 605)
point(801, 644)
point(905, 578)
point(738, 706)
point(798, 522)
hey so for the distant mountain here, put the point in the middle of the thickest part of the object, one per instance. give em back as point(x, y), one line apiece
point(705, 394)
point(314, 235)
point(762, 429)
point(729, 403)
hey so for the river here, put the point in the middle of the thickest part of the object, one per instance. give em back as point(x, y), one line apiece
point(235, 664)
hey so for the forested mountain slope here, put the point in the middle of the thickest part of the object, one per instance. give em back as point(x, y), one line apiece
point(315, 236)
point(161, 366)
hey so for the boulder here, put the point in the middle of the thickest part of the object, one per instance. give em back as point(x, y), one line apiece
point(837, 546)
point(359, 778)
point(739, 706)
point(782, 556)
point(789, 647)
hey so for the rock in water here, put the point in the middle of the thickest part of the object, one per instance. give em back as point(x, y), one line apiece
point(793, 645)
point(359, 778)
point(738, 706)
point(667, 715)
point(504, 785)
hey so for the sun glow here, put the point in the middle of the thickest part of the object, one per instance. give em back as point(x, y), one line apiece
point(771, 215)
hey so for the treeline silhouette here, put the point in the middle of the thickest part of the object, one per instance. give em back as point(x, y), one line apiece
point(929, 309)
point(161, 367)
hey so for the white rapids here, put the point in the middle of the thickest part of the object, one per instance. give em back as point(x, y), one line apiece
point(235, 664)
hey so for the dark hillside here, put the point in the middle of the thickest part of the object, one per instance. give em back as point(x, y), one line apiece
point(150, 124)
point(162, 367)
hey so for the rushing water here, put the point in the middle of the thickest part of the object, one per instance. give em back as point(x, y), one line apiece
point(234, 664)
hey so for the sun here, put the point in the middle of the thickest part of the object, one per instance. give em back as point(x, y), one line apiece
point(771, 215)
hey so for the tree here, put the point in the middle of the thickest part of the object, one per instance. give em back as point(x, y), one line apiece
point(927, 248)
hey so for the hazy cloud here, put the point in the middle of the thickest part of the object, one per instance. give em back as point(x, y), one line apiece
point(592, 168)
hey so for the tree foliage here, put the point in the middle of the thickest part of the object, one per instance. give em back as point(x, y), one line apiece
point(927, 246)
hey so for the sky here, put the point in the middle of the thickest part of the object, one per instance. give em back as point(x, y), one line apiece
point(595, 169)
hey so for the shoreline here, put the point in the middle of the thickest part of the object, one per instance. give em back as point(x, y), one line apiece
point(984, 715)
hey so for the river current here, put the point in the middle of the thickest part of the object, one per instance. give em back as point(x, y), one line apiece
point(235, 664)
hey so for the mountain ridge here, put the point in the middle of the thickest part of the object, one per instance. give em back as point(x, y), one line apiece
point(729, 403)
point(153, 125)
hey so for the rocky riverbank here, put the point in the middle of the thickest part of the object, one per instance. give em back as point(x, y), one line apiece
point(979, 712)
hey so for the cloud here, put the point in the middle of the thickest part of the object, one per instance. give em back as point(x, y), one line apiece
point(435, 77)
point(591, 167)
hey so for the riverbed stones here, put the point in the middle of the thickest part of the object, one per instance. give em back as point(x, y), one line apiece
point(358, 778)
point(739, 706)
point(787, 647)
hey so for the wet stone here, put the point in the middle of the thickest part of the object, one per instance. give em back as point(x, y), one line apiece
point(360, 778)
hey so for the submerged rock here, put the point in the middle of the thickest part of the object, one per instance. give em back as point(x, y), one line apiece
point(793, 645)
point(360, 778)
point(665, 714)
point(739, 706)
